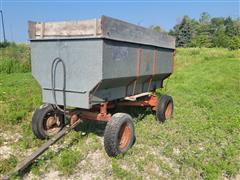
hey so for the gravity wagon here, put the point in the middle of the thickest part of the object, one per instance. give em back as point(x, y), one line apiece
point(85, 68)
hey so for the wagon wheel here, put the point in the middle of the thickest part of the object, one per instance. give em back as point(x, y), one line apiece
point(119, 134)
point(164, 108)
point(51, 124)
point(46, 122)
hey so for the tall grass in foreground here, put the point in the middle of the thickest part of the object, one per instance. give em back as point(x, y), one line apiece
point(15, 58)
point(189, 56)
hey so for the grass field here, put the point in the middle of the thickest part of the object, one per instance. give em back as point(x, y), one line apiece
point(201, 142)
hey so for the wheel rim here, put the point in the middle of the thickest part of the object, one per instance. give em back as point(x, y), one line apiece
point(169, 110)
point(124, 136)
point(51, 124)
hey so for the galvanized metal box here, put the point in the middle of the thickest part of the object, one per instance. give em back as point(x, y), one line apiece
point(106, 59)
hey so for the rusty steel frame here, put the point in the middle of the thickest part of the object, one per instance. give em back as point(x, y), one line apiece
point(100, 112)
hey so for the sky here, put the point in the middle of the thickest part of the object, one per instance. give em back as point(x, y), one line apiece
point(142, 12)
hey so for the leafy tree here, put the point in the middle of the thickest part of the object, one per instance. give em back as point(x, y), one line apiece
point(234, 43)
point(237, 26)
point(204, 18)
point(156, 28)
point(220, 39)
point(201, 40)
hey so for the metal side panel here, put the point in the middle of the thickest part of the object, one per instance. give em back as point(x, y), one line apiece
point(73, 99)
point(128, 68)
point(83, 60)
point(123, 31)
point(121, 60)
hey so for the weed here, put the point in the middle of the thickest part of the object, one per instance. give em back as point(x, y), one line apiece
point(67, 160)
point(7, 164)
point(19, 95)
point(1, 141)
point(15, 58)
point(120, 172)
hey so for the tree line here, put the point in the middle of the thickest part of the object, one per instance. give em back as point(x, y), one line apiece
point(207, 31)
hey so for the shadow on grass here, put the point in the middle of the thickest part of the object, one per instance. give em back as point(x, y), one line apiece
point(98, 127)
point(85, 128)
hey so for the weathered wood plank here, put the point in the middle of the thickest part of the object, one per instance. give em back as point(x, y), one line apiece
point(105, 27)
point(31, 29)
point(67, 28)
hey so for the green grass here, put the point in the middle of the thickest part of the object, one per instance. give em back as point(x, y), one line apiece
point(67, 161)
point(7, 164)
point(201, 141)
point(20, 95)
point(15, 58)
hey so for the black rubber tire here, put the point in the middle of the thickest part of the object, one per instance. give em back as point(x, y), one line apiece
point(38, 120)
point(161, 107)
point(112, 130)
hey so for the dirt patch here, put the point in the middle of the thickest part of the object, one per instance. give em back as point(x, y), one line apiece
point(93, 166)
point(52, 174)
point(5, 152)
point(7, 138)
point(154, 170)
point(171, 163)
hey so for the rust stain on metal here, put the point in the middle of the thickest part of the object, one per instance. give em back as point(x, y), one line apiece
point(153, 101)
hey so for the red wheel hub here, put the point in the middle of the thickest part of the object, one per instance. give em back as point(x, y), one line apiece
point(51, 124)
point(124, 136)
point(169, 110)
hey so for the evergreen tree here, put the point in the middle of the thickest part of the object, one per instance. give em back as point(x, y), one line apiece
point(230, 30)
point(207, 32)
point(183, 32)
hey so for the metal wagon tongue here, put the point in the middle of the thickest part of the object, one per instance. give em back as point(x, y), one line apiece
point(28, 161)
